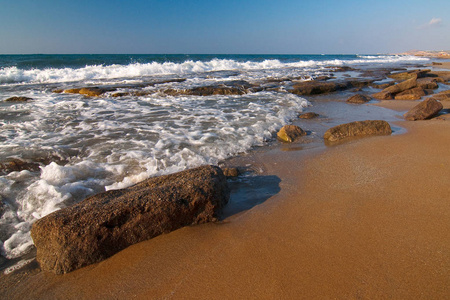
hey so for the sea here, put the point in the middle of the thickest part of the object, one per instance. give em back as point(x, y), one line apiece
point(85, 145)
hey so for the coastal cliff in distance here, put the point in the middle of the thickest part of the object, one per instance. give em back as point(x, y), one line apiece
point(428, 53)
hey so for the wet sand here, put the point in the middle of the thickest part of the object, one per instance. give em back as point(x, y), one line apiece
point(367, 219)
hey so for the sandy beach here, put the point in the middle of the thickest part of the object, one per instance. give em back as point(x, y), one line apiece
point(367, 219)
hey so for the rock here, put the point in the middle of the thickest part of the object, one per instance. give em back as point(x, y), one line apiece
point(409, 74)
point(289, 133)
point(358, 128)
point(389, 92)
point(89, 91)
point(427, 83)
point(18, 99)
point(208, 91)
point(317, 87)
point(411, 94)
point(17, 165)
point(231, 172)
point(424, 110)
point(309, 115)
point(102, 225)
point(2, 206)
point(358, 98)
point(442, 96)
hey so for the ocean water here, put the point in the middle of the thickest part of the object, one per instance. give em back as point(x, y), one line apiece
point(85, 145)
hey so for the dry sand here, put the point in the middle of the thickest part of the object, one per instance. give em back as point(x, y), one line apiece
point(368, 219)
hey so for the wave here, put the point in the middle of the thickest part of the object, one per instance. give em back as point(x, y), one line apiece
point(14, 75)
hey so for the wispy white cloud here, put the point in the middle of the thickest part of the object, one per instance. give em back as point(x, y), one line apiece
point(434, 22)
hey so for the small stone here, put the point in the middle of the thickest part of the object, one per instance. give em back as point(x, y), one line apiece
point(289, 133)
point(231, 172)
point(308, 115)
point(18, 99)
point(358, 99)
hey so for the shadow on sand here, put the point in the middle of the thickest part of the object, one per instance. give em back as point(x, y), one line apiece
point(249, 191)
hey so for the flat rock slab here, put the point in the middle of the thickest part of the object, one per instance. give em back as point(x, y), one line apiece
point(102, 225)
point(424, 110)
point(358, 128)
point(358, 99)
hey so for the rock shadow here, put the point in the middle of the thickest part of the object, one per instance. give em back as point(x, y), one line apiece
point(249, 191)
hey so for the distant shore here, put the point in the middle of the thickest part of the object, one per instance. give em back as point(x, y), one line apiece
point(425, 53)
point(364, 219)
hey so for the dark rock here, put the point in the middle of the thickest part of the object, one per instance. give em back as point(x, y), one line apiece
point(411, 94)
point(442, 96)
point(18, 99)
point(358, 128)
point(231, 172)
point(358, 99)
point(308, 115)
point(17, 165)
point(89, 91)
point(389, 92)
point(318, 87)
point(381, 85)
point(289, 133)
point(206, 91)
point(436, 64)
point(440, 76)
point(424, 110)
point(102, 225)
point(2, 206)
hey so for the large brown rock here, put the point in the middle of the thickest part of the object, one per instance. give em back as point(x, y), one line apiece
point(358, 128)
point(424, 110)
point(289, 133)
point(318, 87)
point(390, 92)
point(411, 94)
point(410, 74)
point(89, 91)
point(106, 223)
point(442, 96)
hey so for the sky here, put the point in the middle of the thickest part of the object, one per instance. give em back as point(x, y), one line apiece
point(223, 27)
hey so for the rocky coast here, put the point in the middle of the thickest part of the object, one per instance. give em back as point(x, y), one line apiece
point(358, 218)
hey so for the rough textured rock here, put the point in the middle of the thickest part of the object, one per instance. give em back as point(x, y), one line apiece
point(410, 74)
point(18, 99)
point(424, 110)
point(231, 172)
point(411, 94)
point(427, 83)
point(359, 99)
point(318, 87)
point(390, 92)
point(17, 165)
point(442, 96)
point(106, 223)
point(289, 133)
point(358, 128)
point(309, 115)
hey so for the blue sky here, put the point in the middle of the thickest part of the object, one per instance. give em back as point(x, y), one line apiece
point(233, 27)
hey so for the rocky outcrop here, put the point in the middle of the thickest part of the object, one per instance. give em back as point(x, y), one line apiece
point(290, 133)
point(442, 96)
point(358, 99)
point(318, 87)
point(409, 74)
point(106, 223)
point(427, 83)
point(18, 99)
point(424, 110)
point(356, 129)
point(390, 92)
point(411, 94)
point(33, 165)
point(206, 91)
point(309, 115)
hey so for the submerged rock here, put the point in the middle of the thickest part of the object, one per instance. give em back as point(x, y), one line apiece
point(89, 91)
point(358, 128)
point(309, 115)
point(231, 172)
point(424, 110)
point(18, 99)
point(102, 225)
point(359, 99)
point(290, 133)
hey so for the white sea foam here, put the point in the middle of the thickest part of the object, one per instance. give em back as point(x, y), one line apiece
point(113, 143)
point(53, 75)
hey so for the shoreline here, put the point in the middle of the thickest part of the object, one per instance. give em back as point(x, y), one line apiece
point(270, 225)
